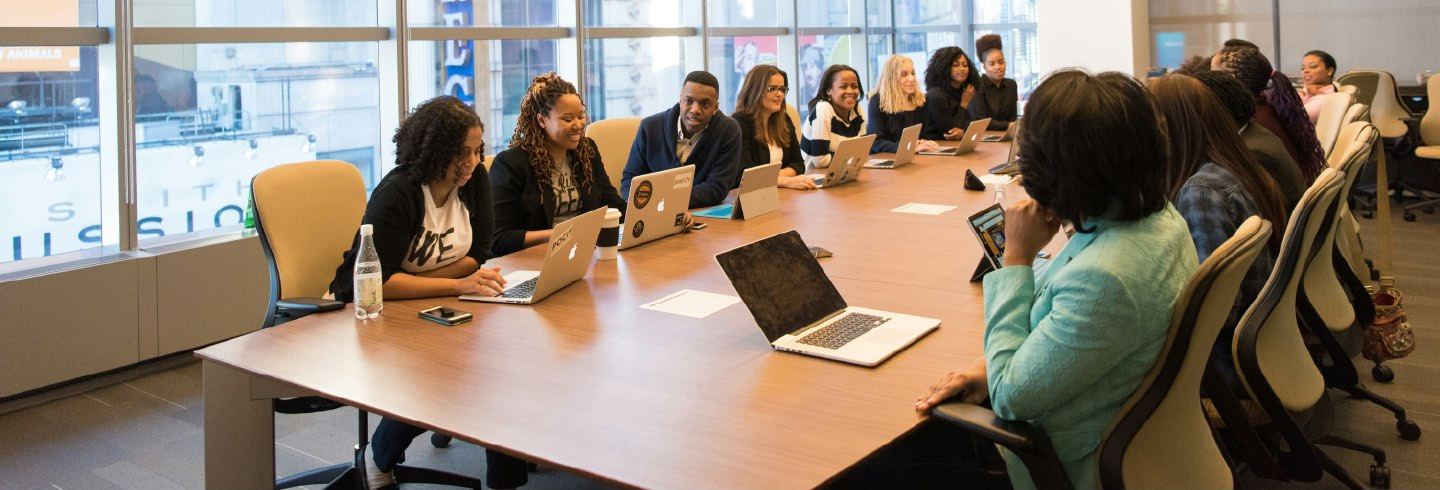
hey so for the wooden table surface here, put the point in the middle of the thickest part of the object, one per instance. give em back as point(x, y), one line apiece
point(588, 381)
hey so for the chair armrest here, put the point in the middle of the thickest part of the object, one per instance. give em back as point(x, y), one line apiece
point(308, 305)
point(1027, 441)
point(981, 421)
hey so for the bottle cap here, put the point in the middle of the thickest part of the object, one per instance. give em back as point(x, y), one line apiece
point(367, 229)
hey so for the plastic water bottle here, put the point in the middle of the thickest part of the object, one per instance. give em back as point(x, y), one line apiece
point(369, 284)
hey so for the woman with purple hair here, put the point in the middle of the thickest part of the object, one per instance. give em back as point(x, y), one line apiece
point(1277, 106)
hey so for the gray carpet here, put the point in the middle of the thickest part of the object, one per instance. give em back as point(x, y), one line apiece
point(142, 429)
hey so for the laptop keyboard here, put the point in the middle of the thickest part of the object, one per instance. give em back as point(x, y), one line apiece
point(522, 290)
point(847, 328)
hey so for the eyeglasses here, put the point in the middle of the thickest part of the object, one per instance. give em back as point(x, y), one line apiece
point(777, 88)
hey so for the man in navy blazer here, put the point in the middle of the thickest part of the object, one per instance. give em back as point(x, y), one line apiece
point(693, 132)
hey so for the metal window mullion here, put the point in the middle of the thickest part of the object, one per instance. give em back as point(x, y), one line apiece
point(488, 33)
point(116, 75)
point(746, 31)
point(246, 35)
point(830, 31)
point(705, 35)
point(394, 89)
point(639, 32)
point(54, 36)
point(580, 38)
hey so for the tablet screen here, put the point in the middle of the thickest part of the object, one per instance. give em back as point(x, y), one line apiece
point(989, 227)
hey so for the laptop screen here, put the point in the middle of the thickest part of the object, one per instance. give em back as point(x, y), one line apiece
point(781, 283)
point(989, 228)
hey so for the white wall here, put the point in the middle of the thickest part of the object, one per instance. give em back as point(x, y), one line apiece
point(1399, 36)
point(1097, 35)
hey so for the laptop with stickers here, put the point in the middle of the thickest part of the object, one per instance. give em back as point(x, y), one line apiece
point(845, 164)
point(658, 203)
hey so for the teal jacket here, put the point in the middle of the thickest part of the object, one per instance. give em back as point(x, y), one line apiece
point(1067, 349)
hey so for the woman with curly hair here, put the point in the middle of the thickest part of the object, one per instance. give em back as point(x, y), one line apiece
point(896, 104)
point(950, 82)
point(433, 227)
point(996, 96)
point(552, 171)
point(1277, 107)
point(766, 133)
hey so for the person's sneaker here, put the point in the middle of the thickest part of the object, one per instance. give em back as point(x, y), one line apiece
point(378, 480)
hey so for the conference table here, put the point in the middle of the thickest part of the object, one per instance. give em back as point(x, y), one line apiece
point(588, 382)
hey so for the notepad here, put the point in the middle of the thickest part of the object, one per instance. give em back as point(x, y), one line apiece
point(917, 208)
point(691, 303)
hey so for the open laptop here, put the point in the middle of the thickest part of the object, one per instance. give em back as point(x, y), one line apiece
point(1009, 133)
point(968, 140)
point(658, 202)
point(845, 164)
point(988, 225)
point(799, 310)
point(572, 243)
point(756, 195)
point(1012, 161)
point(904, 153)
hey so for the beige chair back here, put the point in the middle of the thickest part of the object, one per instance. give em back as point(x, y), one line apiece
point(1332, 115)
point(1353, 150)
point(1349, 89)
point(489, 160)
point(794, 117)
point(1356, 112)
point(1277, 361)
point(1323, 289)
point(613, 137)
point(1140, 450)
point(1387, 111)
point(1430, 124)
point(308, 214)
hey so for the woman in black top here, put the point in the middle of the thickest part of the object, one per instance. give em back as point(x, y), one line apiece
point(896, 104)
point(552, 171)
point(432, 207)
point(950, 82)
point(767, 135)
point(998, 96)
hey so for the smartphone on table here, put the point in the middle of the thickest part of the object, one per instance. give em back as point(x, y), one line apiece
point(445, 316)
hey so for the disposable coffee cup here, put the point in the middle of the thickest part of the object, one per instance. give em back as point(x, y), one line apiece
point(609, 241)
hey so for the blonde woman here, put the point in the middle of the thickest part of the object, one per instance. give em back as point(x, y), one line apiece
point(896, 104)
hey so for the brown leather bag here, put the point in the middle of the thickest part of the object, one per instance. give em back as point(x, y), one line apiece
point(1389, 336)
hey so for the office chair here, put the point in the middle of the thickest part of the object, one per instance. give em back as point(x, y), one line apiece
point(1274, 365)
point(1347, 236)
point(794, 114)
point(1430, 152)
point(306, 214)
point(613, 137)
point(1334, 304)
point(1377, 89)
point(1139, 448)
point(1332, 115)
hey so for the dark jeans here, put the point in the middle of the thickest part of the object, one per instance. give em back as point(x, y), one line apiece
point(393, 436)
point(934, 455)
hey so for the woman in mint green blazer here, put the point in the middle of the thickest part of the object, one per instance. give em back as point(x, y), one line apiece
point(1066, 349)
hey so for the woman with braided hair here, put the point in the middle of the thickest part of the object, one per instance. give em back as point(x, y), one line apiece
point(552, 171)
point(1277, 107)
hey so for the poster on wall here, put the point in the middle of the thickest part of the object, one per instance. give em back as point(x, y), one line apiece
point(30, 13)
point(459, 55)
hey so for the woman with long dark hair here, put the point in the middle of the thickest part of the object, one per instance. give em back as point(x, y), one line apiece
point(766, 133)
point(1277, 107)
point(950, 81)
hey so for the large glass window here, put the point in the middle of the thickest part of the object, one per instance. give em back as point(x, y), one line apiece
point(211, 116)
point(633, 13)
point(255, 13)
point(733, 57)
point(633, 77)
point(478, 13)
point(492, 76)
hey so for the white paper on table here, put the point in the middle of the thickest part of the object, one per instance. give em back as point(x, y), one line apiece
point(691, 303)
point(917, 208)
point(992, 179)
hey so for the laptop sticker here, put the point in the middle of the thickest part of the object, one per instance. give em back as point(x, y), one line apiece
point(642, 194)
point(639, 228)
point(682, 181)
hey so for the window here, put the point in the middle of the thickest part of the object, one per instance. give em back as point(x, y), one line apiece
point(50, 169)
point(256, 13)
point(634, 13)
point(211, 116)
point(633, 77)
point(731, 58)
point(473, 13)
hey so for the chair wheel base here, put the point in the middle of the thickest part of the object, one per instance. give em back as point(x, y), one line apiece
point(439, 440)
point(1409, 430)
point(1379, 476)
point(1409, 216)
point(1382, 374)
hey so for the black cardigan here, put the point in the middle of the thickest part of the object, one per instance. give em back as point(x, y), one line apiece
point(943, 112)
point(397, 212)
point(888, 127)
point(753, 153)
point(520, 206)
point(1007, 96)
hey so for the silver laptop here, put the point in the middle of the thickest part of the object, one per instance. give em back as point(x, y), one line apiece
point(904, 152)
point(845, 164)
point(658, 203)
point(1009, 133)
point(756, 195)
point(572, 243)
point(799, 310)
point(1012, 161)
point(968, 140)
